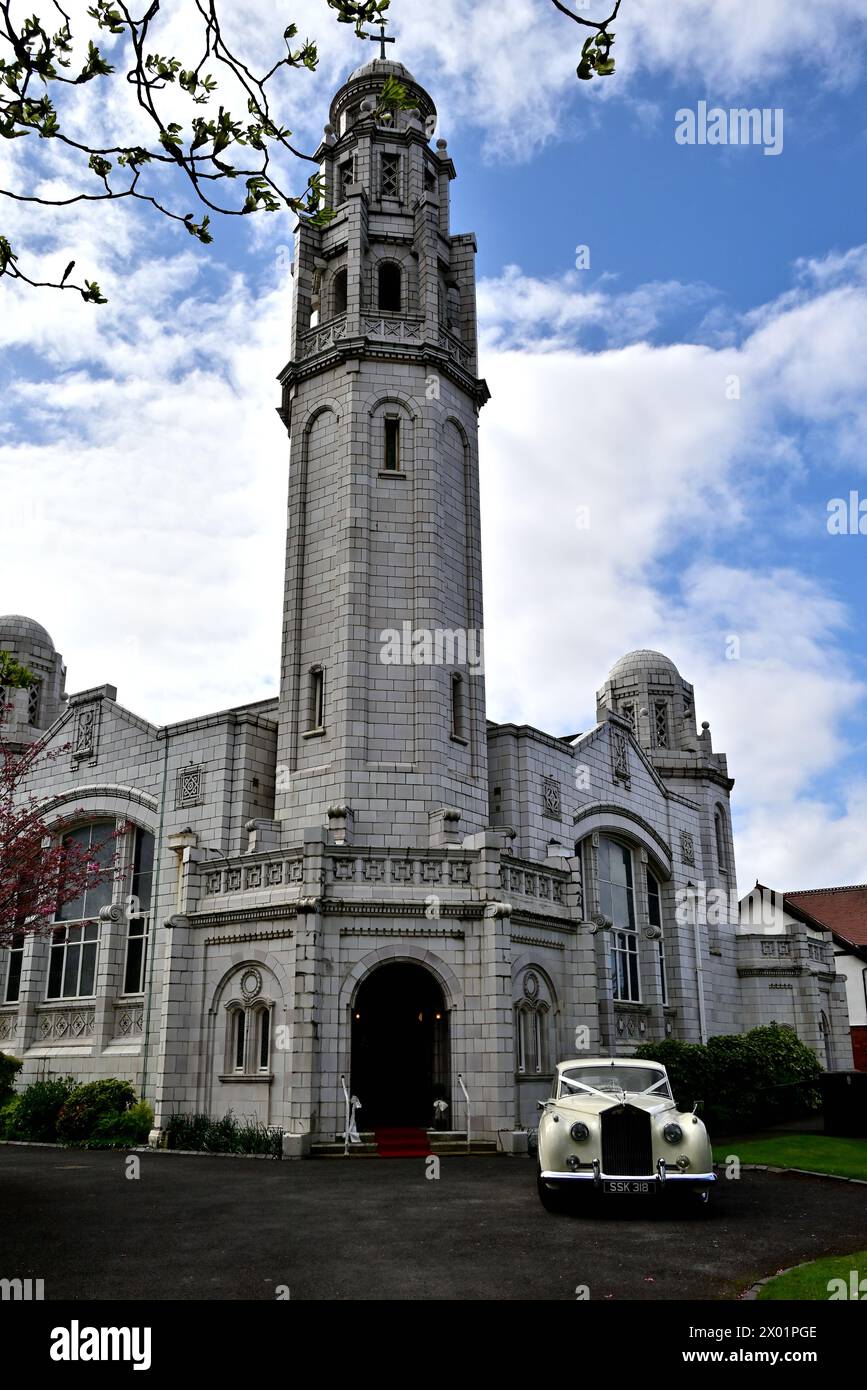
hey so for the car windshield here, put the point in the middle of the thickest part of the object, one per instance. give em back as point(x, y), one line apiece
point(640, 1080)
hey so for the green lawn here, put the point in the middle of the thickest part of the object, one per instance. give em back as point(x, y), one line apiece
point(811, 1281)
point(819, 1153)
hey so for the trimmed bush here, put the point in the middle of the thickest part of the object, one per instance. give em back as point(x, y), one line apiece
point(223, 1136)
point(7, 1116)
point(9, 1068)
point(125, 1130)
point(35, 1116)
point(745, 1080)
point(88, 1105)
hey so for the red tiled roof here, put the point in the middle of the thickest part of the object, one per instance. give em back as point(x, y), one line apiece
point(842, 910)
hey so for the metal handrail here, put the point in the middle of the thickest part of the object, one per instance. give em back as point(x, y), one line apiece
point(467, 1099)
point(351, 1103)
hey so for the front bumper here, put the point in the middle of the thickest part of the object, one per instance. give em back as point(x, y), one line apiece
point(664, 1174)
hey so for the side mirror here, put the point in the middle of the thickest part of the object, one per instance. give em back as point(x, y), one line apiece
point(541, 1104)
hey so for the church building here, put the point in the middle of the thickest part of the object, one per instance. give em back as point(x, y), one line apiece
point(365, 883)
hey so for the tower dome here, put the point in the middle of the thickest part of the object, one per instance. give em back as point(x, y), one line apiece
point(364, 86)
point(645, 688)
point(641, 665)
point(35, 709)
point(17, 632)
point(382, 67)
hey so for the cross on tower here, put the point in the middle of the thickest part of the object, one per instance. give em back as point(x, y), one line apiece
point(381, 39)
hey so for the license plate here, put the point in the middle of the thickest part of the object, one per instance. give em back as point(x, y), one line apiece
point(626, 1186)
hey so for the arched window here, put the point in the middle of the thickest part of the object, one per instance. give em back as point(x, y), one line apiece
point(316, 700)
point(458, 710)
point(239, 1039)
point(719, 826)
point(654, 917)
point(531, 1039)
point(617, 901)
point(263, 1039)
point(533, 1014)
point(339, 292)
point(75, 945)
point(139, 903)
point(390, 287)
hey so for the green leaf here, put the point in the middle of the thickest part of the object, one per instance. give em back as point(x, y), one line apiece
point(7, 255)
point(199, 229)
point(92, 294)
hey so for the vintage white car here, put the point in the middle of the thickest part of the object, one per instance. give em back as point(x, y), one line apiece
point(612, 1126)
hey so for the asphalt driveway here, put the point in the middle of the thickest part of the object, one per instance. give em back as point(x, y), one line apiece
point(226, 1228)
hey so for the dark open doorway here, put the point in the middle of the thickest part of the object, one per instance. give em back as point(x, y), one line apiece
point(400, 1047)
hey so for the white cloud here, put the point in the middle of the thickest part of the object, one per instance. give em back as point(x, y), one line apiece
point(677, 477)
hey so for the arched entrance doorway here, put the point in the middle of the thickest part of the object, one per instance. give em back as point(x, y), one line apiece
point(400, 1047)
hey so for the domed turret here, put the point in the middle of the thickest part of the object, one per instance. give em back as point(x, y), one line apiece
point(18, 631)
point(360, 94)
point(646, 688)
point(27, 713)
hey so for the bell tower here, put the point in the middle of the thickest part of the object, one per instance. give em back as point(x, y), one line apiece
point(382, 707)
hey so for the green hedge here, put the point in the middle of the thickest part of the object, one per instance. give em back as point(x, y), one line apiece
point(100, 1114)
point(9, 1068)
point(744, 1080)
point(89, 1104)
point(224, 1136)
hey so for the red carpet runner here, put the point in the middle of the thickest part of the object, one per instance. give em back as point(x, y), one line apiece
point(402, 1143)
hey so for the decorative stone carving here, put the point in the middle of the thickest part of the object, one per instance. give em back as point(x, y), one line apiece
point(84, 742)
point(66, 1025)
point(188, 787)
point(619, 754)
point(551, 798)
point(687, 848)
point(251, 984)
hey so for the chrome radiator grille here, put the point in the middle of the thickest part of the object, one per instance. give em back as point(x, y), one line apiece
point(626, 1143)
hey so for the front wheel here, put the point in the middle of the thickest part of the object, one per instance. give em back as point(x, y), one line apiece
point(701, 1199)
point(552, 1198)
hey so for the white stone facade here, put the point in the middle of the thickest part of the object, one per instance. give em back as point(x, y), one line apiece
point(368, 854)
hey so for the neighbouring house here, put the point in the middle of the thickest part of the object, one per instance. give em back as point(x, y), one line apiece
point(790, 963)
point(843, 911)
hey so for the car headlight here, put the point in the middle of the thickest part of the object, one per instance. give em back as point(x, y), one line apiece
point(673, 1133)
point(579, 1131)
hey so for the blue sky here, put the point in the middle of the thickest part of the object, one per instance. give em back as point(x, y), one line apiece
point(144, 470)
